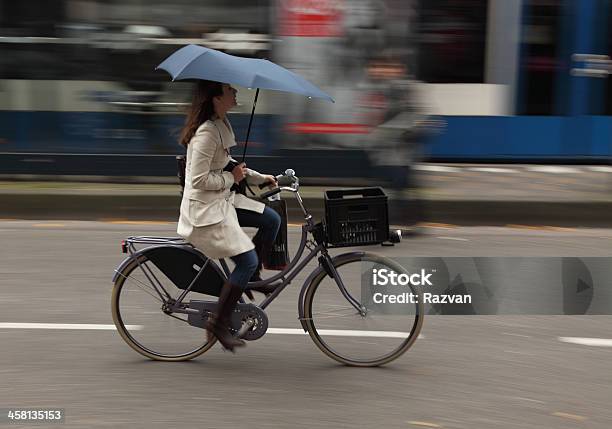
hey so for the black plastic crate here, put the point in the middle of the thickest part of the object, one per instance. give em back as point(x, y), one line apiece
point(356, 217)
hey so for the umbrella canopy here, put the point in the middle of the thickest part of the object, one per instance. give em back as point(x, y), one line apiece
point(198, 62)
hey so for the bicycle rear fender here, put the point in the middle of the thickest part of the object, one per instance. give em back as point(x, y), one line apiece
point(320, 270)
point(181, 264)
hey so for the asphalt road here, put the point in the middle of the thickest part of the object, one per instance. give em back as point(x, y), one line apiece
point(466, 371)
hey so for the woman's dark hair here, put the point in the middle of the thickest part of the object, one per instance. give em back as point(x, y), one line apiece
point(201, 109)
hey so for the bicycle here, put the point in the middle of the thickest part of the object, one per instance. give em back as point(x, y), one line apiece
point(167, 326)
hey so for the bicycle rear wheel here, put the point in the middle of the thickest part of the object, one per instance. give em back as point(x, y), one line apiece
point(376, 335)
point(141, 322)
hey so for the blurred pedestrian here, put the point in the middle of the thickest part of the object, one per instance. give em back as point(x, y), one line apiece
point(395, 111)
point(211, 213)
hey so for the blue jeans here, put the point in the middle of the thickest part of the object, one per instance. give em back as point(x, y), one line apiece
point(246, 264)
point(268, 223)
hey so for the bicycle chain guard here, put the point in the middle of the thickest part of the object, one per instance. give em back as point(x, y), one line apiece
point(242, 313)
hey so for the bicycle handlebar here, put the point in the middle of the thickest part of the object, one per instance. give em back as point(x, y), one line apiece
point(287, 182)
point(270, 193)
point(282, 180)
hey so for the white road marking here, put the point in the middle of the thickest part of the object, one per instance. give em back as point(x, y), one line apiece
point(492, 170)
point(453, 238)
point(437, 168)
point(516, 335)
point(423, 424)
point(596, 342)
point(79, 326)
point(284, 331)
point(601, 169)
point(529, 400)
point(570, 416)
point(553, 169)
point(341, 333)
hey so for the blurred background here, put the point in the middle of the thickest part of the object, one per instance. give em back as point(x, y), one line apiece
point(489, 119)
point(501, 80)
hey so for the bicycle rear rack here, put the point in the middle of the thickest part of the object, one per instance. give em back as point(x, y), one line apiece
point(129, 244)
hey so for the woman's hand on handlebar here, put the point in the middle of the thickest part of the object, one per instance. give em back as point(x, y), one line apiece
point(239, 172)
point(270, 180)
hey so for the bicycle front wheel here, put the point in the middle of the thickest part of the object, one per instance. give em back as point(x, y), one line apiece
point(359, 333)
point(138, 298)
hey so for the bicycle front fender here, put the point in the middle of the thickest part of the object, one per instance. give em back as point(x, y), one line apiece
point(319, 272)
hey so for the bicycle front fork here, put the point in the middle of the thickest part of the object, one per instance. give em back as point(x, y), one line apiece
point(328, 265)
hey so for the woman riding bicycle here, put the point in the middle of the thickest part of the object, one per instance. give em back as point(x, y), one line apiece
point(212, 213)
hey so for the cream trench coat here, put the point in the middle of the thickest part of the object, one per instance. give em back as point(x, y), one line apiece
point(208, 217)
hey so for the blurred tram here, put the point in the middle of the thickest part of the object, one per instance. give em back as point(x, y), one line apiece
point(515, 80)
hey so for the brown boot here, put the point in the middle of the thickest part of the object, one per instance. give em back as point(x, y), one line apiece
point(219, 325)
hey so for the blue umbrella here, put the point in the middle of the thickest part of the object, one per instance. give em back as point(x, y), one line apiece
point(198, 62)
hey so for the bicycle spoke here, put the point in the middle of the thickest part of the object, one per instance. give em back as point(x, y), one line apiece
point(143, 286)
point(144, 268)
point(331, 313)
point(179, 318)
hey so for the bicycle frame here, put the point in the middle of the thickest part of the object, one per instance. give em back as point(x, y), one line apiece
point(286, 276)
